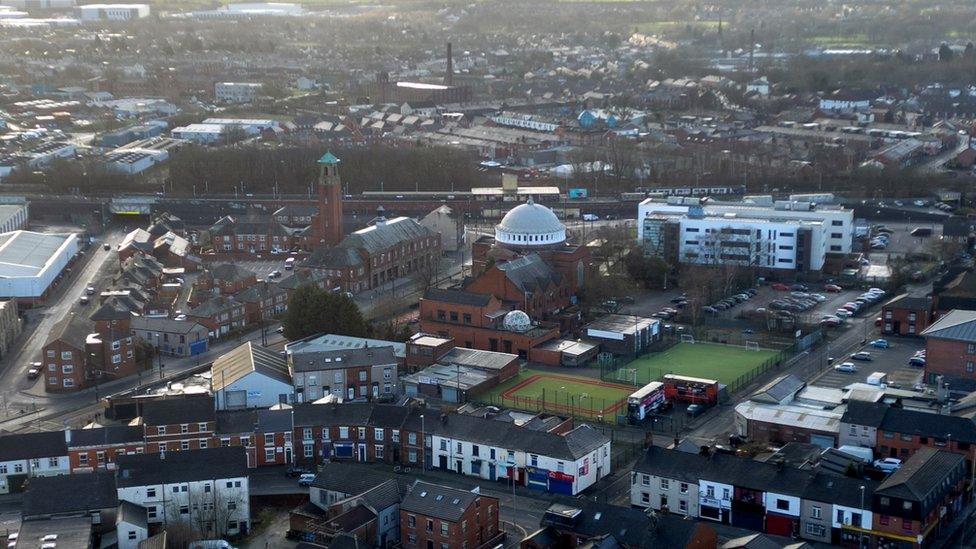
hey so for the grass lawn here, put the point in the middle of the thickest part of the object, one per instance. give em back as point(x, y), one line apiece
point(706, 360)
point(562, 393)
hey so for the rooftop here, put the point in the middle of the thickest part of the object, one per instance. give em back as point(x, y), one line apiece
point(187, 466)
point(438, 501)
point(957, 325)
point(245, 359)
point(25, 253)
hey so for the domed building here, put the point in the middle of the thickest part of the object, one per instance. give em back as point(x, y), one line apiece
point(530, 226)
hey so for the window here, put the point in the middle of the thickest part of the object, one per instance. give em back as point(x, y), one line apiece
point(840, 516)
point(378, 434)
point(184, 428)
point(184, 445)
point(683, 506)
point(645, 498)
point(533, 460)
point(68, 382)
point(269, 439)
point(969, 366)
point(444, 528)
point(683, 487)
point(151, 512)
point(307, 433)
point(206, 488)
point(343, 432)
point(337, 378)
point(65, 355)
point(269, 454)
point(837, 223)
point(412, 438)
point(783, 505)
point(430, 525)
point(378, 450)
point(411, 521)
point(971, 349)
point(362, 433)
point(67, 369)
point(362, 375)
point(815, 530)
point(816, 512)
point(52, 462)
point(395, 435)
point(201, 427)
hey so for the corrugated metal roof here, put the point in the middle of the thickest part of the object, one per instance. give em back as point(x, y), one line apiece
point(957, 325)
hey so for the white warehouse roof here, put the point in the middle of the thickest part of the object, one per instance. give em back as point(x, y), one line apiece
point(25, 253)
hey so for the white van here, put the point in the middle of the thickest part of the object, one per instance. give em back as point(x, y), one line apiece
point(878, 379)
point(591, 217)
point(289, 263)
point(210, 544)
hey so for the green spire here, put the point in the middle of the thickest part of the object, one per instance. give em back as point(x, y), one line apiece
point(328, 158)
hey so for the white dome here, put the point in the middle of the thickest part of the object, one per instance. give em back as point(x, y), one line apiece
point(530, 224)
point(517, 321)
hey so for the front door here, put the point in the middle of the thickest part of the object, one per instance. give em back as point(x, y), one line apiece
point(442, 462)
point(362, 452)
point(459, 469)
point(287, 455)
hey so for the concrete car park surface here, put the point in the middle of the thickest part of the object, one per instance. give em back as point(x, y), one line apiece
point(892, 361)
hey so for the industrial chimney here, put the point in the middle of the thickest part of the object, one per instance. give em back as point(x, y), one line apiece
point(449, 74)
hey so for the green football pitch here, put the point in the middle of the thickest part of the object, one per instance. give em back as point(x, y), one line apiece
point(537, 390)
point(724, 363)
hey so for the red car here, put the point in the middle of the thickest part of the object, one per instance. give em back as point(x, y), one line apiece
point(877, 321)
point(779, 286)
point(833, 288)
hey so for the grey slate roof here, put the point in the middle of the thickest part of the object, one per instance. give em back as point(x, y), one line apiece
point(343, 478)
point(334, 258)
point(101, 436)
point(301, 278)
point(113, 309)
point(230, 271)
point(383, 236)
point(311, 361)
point(64, 494)
point(186, 466)
point(213, 306)
point(530, 273)
point(920, 474)
point(906, 421)
point(722, 468)
point(32, 445)
point(459, 297)
point(73, 329)
point(245, 359)
point(869, 414)
point(438, 501)
point(957, 325)
point(236, 421)
point(167, 325)
point(828, 488)
point(194, 409)
point(909, 302)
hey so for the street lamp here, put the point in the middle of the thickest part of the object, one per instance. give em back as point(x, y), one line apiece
point(861, 526)
point(423, 445)
point(159, 357)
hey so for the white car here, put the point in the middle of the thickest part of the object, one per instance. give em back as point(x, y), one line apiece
point(843, 313)
point(848, 367)
point(888, 465)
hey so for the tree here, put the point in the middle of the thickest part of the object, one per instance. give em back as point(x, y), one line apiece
point(313, 310)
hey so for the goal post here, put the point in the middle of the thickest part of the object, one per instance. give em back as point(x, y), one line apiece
point(687, 338)
point(753, 346)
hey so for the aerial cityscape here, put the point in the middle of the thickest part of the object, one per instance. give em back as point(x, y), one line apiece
point(546, 274)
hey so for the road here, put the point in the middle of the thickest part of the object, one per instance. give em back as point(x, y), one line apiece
point(937, 163)
point(17, 391)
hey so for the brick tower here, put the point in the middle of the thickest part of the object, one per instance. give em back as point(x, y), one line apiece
point(328, 222)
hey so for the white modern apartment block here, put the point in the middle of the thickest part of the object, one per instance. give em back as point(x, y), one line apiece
point(236, 92)
point(785, 236)
point(113, 12)
point(208, 488)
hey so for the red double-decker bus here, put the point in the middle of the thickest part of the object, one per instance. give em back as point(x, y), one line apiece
point(695, 390)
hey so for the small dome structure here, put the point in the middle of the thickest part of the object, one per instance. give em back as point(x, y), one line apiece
point(530, 225)
point(517, 321)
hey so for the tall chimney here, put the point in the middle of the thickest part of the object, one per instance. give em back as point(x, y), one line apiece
point(449, 75)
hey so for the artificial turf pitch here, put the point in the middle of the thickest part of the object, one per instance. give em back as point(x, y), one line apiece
point(724, 363)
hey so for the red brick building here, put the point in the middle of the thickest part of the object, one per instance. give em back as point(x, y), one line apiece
point(263, 301)
point(81, 352)
point(220, 315)
point(906, 315)
point(478, 321)
point(97, 448)
point(950, 347)
point(225, 279)
point(432, 515)
point(179, 424)
point(379, 254)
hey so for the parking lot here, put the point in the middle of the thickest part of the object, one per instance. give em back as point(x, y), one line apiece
point(261, 267)
point(892, 361)
point(902, 242)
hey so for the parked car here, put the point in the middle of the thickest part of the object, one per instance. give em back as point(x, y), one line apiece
point(695, 409)
point(106, 246)
point(880, 344)
point(709, 309)
point(33, 372)
point(888, 465)
point(843, 313)
point(780, 287)
point(862, 355)
point(848, 367)
point(832, 288)
point(306, 479)
point(878, 321)
point(917, 361)
point(799, 287)
point(90, 290)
